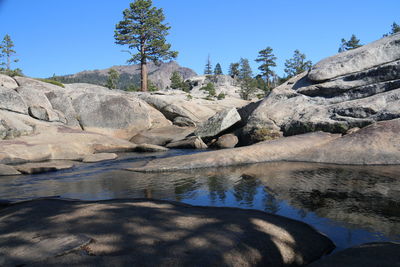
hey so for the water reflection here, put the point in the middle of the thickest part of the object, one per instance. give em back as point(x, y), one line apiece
point(351, 205)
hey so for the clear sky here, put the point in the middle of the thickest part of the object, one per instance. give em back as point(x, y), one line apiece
point(68, 36)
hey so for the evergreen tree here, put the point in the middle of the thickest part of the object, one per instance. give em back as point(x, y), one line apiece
point(176, 80)
point(267, 60)
point(244, 69)
point(218, 69)
point(297, 64)
point(113, 79)
point(142, 29)
point(7, 52)
point(395, 29)
point(234, 70)
point(353, 43)
point(208, 67)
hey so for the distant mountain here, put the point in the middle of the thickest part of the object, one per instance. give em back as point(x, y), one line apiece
point(130, 75)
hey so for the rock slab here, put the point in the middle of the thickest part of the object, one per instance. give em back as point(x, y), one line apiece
point(156, 233)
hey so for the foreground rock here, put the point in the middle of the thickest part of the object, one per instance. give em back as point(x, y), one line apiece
point(351, 89)
point(370, 254)
point(154, 233)
point(7, 82)
point(99, 157)
point(269, 151)
point(227, 141)
point(163, 135)
point(218, 123)
point(8, 170)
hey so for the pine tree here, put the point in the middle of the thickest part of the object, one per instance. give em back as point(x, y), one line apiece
point(208, 67)
point(395, 29)
point(267, 60)
point(247, 84)
point(113, 79)
point(234, 70)
point(218, 69)
point(176, 80)
point(353, 43)
point(142, 29)
point(7, 51)
point(297, 64)
point(244, 69)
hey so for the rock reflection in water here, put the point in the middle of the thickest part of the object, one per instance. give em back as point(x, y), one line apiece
point(351, 205)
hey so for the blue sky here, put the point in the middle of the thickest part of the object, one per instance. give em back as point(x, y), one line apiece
point(68, 36)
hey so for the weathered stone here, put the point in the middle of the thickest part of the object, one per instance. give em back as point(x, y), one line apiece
point(8, 170)
point(62, 102)
point(191, 142)
point(13, 125)
point(99, 157)
point(275, 150)
point(383, 254)
point(162, 136)
point(36, 84)
point(38, 112)
point(40, 167)
point(375, 144)
point(227, 141)
point(218, 123)
point(368, 56)
point(7, 82)
point(156, 233)
point(184, 122)
point(10, 100)
point(150, 148)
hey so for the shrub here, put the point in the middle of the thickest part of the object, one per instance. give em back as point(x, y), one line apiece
point(221, 96)
point(210, 89)
point(54, 82)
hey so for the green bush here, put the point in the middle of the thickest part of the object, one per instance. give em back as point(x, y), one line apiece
point(210, 89)
point(221, 96)
point(52, 82)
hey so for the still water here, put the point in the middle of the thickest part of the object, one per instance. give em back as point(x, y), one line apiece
point(350, 204)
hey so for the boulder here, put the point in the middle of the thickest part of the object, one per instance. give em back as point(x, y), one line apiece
point(191, 142)
point(8, 170)
point(162, 136)
point(99, 157)
point(368, 56)
point(38, 112)
point(13, 125)
point(150, 148)
point(378, 143)
point(62, 102)
point(37, 85)
point(10, 100)
point(7, 82)
point(351, 89)
point(218, 123)
point(275, 150)
point(227, 141)
point(153, 233)
point(40, 167)
point(382, 254)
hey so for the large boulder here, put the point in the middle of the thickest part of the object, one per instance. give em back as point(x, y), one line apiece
point(13, 125)
point(35, 84)
point(152, 233)
point(218, 123)
point(227, 141)
point(10, 100)
point(351, 89)
point(62, 102)
point(7, 82)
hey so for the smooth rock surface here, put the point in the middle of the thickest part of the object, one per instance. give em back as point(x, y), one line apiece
point(368, 56)
point(99, 157)
point(275, 150)
point(163, 135)
point(218, 123)
point(191, 142)
point(158, 233)
point(10, 100)
point(150, 148)
point(8, 170)
point(41, 167)
point(7, 82)
point(369, 254)
point(227, 141)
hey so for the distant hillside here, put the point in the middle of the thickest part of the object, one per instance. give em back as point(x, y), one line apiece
point(130, 75)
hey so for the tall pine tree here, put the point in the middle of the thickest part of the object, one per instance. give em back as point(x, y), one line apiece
point(208, 67)
point(143, 29)
point(7, 52)
point(234, 70)
point(267, 60)
point(395, 29)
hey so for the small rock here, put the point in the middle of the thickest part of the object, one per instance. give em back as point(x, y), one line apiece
point(40, 167)
point(39, 113)
point(150, 148)
point(352, 130)
point(8, 170)
point(99, 157)
point(227, 141)
point(190, 143)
